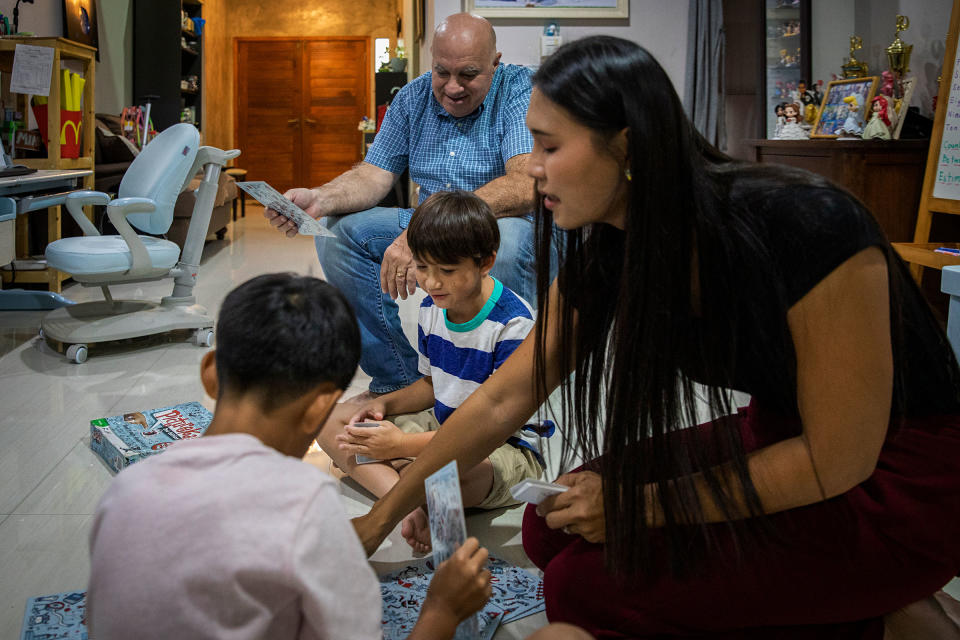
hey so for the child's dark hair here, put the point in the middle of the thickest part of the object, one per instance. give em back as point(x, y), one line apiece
point(281, 334)
point(452, 225)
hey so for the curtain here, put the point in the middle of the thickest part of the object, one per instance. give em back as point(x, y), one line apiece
point(703, 95)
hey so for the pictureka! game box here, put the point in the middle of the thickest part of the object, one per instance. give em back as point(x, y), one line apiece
point(124, 439)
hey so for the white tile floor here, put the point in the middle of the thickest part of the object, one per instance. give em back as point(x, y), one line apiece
point(50, 481)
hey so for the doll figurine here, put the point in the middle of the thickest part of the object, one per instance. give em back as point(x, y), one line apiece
point(887, 87)
point(851, 126)
point(781, 119)
point(879, 125)
point(792, 124)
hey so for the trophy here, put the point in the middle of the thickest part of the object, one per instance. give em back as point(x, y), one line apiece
point(854, 68)
point(898, 54)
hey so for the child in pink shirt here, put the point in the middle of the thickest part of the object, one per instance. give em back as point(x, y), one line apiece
point(230, 535)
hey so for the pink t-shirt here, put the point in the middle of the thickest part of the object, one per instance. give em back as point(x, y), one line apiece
point(223, 537)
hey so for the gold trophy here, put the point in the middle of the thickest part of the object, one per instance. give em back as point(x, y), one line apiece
point(854, 68)
point(898, 55)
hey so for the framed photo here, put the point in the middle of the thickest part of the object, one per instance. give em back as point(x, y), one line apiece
point(549, 8)
point(834, 111)
point(80, 22)
point(908, 86)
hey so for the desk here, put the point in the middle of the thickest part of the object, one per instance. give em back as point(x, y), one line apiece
point(45, 189)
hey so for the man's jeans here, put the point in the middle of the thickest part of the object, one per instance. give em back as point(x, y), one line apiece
point(351, 262)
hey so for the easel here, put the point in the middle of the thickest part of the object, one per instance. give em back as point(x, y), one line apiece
point(943, 167)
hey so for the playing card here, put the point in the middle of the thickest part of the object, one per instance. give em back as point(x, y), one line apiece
point(535, 491)
point(518, 591)
point(365, 459)
point(273, 199)
point(448, 527)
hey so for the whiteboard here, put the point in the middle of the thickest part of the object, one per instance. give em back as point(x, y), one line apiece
point(947, 176)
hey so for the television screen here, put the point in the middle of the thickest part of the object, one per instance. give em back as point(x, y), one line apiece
point(80, 22)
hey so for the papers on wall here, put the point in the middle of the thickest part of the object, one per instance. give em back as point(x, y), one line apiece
point(32, 70)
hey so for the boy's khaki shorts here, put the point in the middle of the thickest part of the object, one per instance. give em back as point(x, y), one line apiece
point(510, 464)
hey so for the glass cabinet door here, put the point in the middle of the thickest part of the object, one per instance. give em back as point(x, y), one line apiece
point(786, 53)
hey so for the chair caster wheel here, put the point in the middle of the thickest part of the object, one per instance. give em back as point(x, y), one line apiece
point(203, 337)
point(77, 353)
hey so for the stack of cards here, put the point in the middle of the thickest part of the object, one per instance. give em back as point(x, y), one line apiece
point(535, 491)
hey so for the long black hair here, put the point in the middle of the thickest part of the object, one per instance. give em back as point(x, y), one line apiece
point(631, 298)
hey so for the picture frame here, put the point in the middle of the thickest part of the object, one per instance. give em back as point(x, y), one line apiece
point(80, 23)
point(540, 9)
point(908, 86)
point(833, 110)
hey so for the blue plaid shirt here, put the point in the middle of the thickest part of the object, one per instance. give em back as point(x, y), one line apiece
point(443, 152)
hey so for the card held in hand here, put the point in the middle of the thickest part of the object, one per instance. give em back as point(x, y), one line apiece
point(448, 527)
point(273, 199)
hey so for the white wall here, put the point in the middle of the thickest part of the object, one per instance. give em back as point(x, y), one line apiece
point(830, 31)
point(114, 71)
point(658, 25)
point(44, 18)
point(929, 20)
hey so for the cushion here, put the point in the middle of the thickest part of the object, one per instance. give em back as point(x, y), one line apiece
point(94, 255)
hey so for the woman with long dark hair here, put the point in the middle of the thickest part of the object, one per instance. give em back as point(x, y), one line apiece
point(831, 500)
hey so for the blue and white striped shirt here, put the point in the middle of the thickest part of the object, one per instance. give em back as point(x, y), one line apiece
point(445, 153)
point(460, 357)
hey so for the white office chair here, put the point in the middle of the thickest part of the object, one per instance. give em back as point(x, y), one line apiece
point(145, 200)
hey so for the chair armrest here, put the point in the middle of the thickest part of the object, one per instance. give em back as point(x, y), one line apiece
point(117, 212)
point(76, 200)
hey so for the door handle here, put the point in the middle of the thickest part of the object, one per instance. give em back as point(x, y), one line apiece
point(293, 121)
point(310, 121)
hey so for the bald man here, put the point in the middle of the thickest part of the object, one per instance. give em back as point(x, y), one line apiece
point(460, 126)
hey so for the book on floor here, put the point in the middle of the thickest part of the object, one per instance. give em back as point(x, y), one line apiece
point(122, 440)
point(60, 616)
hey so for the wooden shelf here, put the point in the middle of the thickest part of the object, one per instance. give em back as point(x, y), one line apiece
point(63, 50)
point(165, 51)
point(923, 253)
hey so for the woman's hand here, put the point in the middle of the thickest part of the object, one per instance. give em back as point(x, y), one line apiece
point(579, 510)
point(383, 442)
point(371, 533)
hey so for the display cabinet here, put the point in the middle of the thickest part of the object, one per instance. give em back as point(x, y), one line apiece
point(168, 60)
point(786, 54)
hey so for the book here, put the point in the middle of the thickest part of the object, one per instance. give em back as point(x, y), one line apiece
point(60, 616)
point(122, 440)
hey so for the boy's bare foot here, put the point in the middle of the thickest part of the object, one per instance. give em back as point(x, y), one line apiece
point(416, 530)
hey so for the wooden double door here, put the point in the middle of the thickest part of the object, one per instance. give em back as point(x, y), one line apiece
point(298, 104)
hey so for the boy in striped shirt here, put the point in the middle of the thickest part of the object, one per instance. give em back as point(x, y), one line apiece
point(469, 324)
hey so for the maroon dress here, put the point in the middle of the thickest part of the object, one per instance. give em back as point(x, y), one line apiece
point(837, 566)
